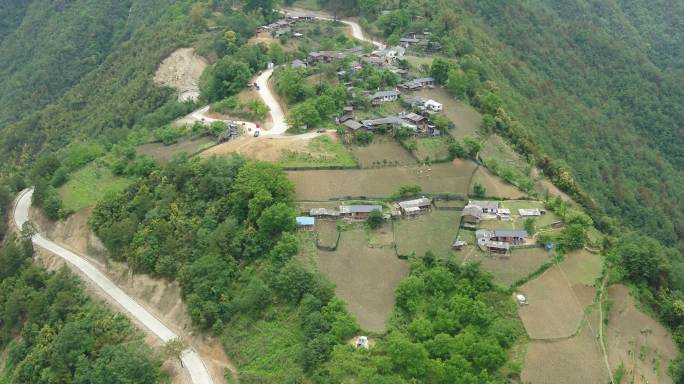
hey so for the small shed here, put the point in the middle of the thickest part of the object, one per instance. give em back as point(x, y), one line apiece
point(305, 223)
point(503, 214)
point(530, 212)
point(413, 207)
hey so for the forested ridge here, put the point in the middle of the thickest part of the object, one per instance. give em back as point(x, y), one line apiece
point(54, 333)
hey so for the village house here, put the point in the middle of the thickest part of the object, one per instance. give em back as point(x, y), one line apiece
point(390, 55)
point(503, 214)
point(305, 223)
point(375, 61)
point(471, 215)
point(419, 83)
point(380, 97)
point(433, 105)
point(324, 213)
point(530, 212)
point(388, 122)
point(353, 125)
point(328, 56)
point(408, 41)
point(510, 236)
point(384, 96)
point(487, 206)
point(358, 211)
point(420, 122)
point(486, 243)
point(416, 206)
point(458, 245)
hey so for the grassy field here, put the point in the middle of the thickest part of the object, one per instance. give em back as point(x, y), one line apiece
point(311, 5)
point(638, 341)
point(364, 277)
point(382, 151)
point(502, 160)
point(554, 311)
point(164, 153)
point(320, 185)
point(417, 61)
point(568, 361)
point(430, 148)
point(88, 185)
point(496, 186)
point(434, 231)
point(465, 117)
point(522, 263)
point(321, 151)
point(326, 232)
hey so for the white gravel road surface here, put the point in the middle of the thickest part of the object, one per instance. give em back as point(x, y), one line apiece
point(191, 361)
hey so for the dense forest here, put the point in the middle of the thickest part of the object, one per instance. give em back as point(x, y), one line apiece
point(54, 333)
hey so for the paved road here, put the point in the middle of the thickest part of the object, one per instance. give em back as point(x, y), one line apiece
point(191, 361)
point(277, 116)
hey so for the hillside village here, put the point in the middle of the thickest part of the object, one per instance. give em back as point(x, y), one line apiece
point(328, 207)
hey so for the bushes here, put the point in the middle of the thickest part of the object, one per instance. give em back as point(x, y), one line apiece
point(253, 110)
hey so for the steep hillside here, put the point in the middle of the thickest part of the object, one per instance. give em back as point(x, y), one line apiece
point(46, 47)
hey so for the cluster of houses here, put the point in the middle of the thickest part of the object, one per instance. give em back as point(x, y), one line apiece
point(419, 40)
point(407, 208)
point(495, 240)
point(284, 26)
point(418, 124)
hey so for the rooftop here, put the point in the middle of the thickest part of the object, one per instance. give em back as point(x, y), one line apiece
point(416, 203)
point(305, 220)
point(380, 94)
point(511, 233)
point(489, 204)
point(359, 208)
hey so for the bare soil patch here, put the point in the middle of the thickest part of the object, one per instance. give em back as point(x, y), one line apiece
point(326, 232)
point(569, 361)
point(259, 148)
point(365, 278)
point(164, 153)
point(382, 152)
point(496, 186)
point(636, 340)
point(326, 184)
point(553, 311)
point(182, 70)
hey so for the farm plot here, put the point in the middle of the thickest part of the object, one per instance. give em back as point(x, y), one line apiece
point(569, 361)
point(326, 232)
point(507, 271)
point(434, 231)
point(430, 148)
point(320, 185)
point(382, 152)
point(466, 119)
point(164, 153)
point(554, 311)
point(582, 267)
point(496, 186)
point(365, 278)
point(637, 341)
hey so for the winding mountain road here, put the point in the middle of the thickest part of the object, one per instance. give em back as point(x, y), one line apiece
point(279, 126)
point(194, 365)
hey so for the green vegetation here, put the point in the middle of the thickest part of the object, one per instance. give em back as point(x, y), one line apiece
point(253, 110)
point(450, 325)
point(79, 193)
point(223, 228)
point(54, 333)
point(321, 152)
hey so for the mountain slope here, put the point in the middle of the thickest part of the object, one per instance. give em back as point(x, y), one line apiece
point(46, 47)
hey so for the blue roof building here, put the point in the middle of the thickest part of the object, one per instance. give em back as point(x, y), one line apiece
point(303, 221)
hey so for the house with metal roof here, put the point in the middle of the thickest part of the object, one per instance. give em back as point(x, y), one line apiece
point(305, 223)
point(384, 96)
point(358, 211)
point(324, 213)
point(529, 212)
point(415, 206)
point(488, 206)
point(471, 215)
point(510, 236)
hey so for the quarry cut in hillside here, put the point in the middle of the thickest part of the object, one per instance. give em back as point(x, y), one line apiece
point(182, 70)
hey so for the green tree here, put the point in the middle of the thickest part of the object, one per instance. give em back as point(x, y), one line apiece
point(479, 190)
point(225, 78)
point(641, 258)
point(375, 219)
